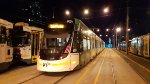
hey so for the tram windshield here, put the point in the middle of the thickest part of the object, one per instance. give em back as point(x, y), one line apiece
point(2, 34)
point(22, 39)
point(53, 47)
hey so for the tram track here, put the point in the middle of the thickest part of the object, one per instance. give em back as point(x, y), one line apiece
point(91, 65)
point(58, 80)
point(31, 78)
point(45, 73)
point(62, 78)
point(103, 68)
point(97, 61)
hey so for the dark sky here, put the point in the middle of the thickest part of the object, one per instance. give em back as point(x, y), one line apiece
point(139, 12)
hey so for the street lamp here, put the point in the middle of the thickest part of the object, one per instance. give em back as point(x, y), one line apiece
point(118, 29)
point(86, 11)
point(98, 30)
point(129, 30)
point(106, 10)
point(67, 12)
point(107, 30)
point(100, 35)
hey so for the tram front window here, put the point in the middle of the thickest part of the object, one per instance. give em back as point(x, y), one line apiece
point(53, 48)
point(2, 34)
point(23, 39)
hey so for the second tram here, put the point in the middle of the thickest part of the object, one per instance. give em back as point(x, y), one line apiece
point(6, 49)
point(138, 46)
point(26, 41)
point(67, 46)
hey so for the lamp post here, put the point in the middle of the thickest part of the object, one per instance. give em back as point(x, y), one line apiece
point(118, 29)
point(127, 27)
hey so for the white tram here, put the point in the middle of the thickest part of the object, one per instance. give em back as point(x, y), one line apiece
point(26, 41)
point(6, 50)
point(68, 45)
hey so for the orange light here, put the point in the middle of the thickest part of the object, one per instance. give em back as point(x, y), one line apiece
point(55, 26)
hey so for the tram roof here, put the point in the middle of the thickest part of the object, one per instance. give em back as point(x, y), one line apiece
point(6, 23)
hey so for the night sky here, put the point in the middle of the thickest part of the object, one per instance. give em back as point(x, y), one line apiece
point(139, 13)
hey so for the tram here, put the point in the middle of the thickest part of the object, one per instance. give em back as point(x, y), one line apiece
point(6, 49)
point(68, 45)
point(139, 46)
point(26, 41)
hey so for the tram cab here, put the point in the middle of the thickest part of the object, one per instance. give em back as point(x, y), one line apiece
point(6, 50)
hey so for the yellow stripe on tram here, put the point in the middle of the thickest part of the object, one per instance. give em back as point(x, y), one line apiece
point(60, 64)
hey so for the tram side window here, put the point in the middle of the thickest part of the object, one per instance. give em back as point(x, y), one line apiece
point(97, 44)
point(9, 40)
point(2, 34)
point(84, 44)
point(2, 38)
point(88, 43)
point(27, 38)
point(77, 42)
point(93, 42)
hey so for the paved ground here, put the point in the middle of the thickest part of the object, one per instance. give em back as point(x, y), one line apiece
point(139, 64)
point(107, 68)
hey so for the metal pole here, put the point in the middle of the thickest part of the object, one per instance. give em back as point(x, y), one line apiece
point(116, 40)
point(53, 13)
point(127, 26)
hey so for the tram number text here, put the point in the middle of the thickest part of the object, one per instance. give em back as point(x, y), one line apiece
point(46, 64)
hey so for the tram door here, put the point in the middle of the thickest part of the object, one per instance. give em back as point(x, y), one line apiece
point(34, 46)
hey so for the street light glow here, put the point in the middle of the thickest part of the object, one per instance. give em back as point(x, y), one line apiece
point(129, 29)
point(118, 29)
point(67, 12)
point(106, 10)
point(107, 30)
point(86, 11)
point(98, 30)
point(100, 35)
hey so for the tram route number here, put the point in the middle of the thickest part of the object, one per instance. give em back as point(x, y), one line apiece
point(46, 64)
